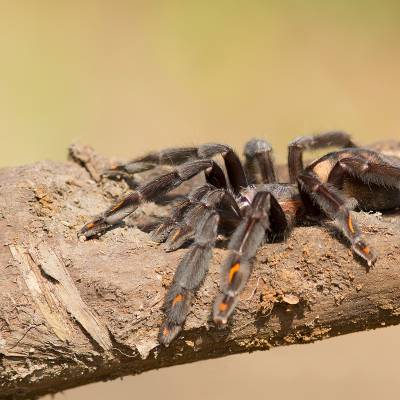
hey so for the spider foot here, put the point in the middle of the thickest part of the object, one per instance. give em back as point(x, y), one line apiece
point(160, 234)
point(127, 170)
point(168, 332)
point(223, 308)
point(178, 237)
point(94, 228)
point(362, 249)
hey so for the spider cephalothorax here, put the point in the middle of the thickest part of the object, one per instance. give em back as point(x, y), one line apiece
point(249, 205)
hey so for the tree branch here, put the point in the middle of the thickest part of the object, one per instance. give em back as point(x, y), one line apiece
point(74, 313)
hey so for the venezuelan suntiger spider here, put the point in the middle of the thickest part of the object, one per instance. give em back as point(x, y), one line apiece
point(249, 205)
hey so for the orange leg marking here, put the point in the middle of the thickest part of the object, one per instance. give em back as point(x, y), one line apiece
point(176, 234)
point(350, 224)
point(177, 299)
point(366, 250)
point(235, 268)
point(117, 206)
point(165, 332)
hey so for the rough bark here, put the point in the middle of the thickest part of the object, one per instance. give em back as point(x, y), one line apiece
point(74, 313)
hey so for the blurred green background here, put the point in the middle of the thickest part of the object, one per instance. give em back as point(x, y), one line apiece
point(132, 76)
point(129, 76)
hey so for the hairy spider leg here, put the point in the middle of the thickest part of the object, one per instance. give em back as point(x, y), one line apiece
point(281, 222)
point(259, 163)
point(162, 231)
point(372, 179)
point(180, 155)
point(215, 178)
point(376, 171)
point(146, 192)
point(185, 228)
point(303, 143)
point(188, 277)
point(243, 246)
point(224, 200)
point(171, 156)
point(335, 205)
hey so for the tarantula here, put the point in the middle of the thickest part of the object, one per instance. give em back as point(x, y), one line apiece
point(249, 205)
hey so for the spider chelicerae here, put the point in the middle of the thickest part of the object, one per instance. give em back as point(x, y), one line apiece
point(248, 204)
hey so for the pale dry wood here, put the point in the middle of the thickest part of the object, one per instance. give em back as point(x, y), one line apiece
point(74, 313)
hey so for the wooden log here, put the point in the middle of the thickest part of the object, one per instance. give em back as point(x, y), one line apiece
point(74, 313)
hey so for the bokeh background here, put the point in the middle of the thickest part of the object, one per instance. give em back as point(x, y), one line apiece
point(133, 76)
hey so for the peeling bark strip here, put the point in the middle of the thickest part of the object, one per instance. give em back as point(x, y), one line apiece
point(53, 290)
point(74, 313)
point(42, 294)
